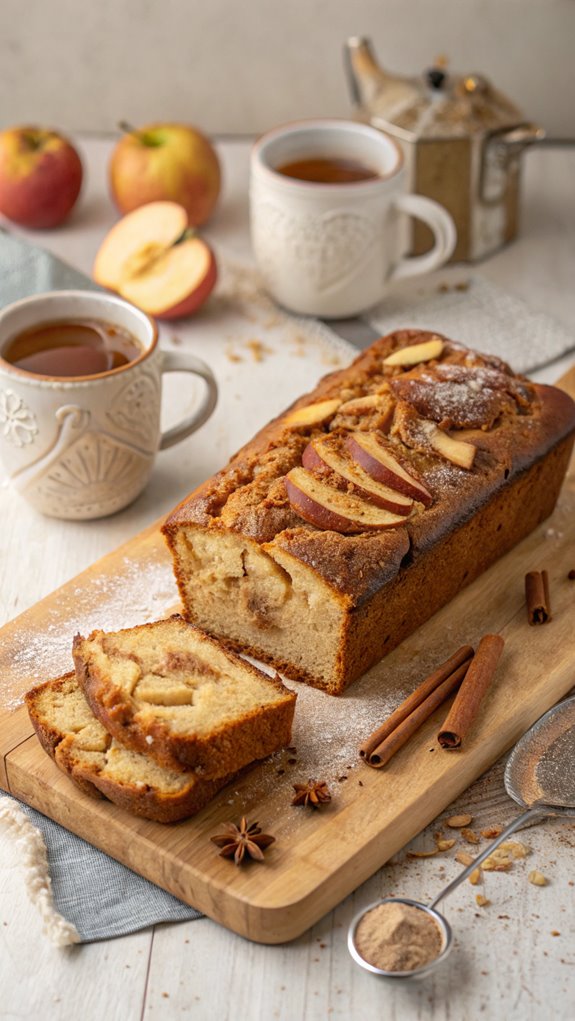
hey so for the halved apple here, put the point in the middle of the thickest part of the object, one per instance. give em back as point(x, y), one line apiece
point(328, 508)
point(379, 463)
point(413, 354)
point(312, 414)
point(323, 452)
point(151, 259)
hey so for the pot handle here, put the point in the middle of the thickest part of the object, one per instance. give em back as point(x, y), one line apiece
point(183, 361)
point(440, 222)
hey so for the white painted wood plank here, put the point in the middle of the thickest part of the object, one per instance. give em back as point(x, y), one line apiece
point(38, 980)
point(503, 967)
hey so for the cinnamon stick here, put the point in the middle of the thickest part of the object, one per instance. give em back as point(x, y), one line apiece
point(537, 597)
point(468, 699)
point(409, 716)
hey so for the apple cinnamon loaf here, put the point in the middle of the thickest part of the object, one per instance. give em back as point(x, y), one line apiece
point(100, 766)
point(365, 507)
point(174, 694)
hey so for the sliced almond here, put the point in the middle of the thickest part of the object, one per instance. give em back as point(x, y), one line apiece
point(445, 845)
point(514, 848)
point(464, 858)
point(490, 832)
point(537, 878)
point(312, 414)
point(458, 821)
point(482, 901)
point(475, 877)
point(415, 353)
point(469, 835)
point(492, 864)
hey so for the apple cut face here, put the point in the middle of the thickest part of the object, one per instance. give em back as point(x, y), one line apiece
point(136, 239)
point(176, 283)
point(325, 507)
point(148, 259)
point(324, 452)
point(379, 463)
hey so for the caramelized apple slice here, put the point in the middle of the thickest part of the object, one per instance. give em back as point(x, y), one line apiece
point(328, 508)
point(312, 414)
point(380, 464)
point(457, 451)
point(322, 452)
point(416, 353)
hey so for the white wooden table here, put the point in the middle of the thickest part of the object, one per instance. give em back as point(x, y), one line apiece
point(507, 963)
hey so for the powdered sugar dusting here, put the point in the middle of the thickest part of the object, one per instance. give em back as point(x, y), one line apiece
point(136, 593)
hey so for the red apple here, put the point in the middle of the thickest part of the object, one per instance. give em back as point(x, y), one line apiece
point(40, 176)
point(152, 259)
point(175, 162)
point(379, 462)
point(328, 508)
point(323, 452)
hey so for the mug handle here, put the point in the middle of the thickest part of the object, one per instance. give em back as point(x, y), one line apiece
point(183, 361)
point(444, 231)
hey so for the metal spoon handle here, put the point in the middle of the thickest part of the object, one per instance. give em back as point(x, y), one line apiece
point(531, 813)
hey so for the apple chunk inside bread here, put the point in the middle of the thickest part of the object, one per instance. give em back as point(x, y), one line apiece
point(172, 692)
point(281, 606)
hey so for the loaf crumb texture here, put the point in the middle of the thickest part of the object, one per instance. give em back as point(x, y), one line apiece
point(100, 766)
point(171, 692)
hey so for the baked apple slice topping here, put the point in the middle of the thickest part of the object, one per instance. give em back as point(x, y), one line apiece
point(312, 414)
point(379, 462)
point(457, 451)
point(326, 453)
point(328, 508)
point(413, 354)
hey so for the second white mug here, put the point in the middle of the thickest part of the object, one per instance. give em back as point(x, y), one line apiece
point(331, 249)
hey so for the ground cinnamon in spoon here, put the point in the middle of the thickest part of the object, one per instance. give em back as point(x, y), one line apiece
point(398, 937)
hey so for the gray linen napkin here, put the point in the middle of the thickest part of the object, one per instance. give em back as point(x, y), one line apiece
point(468, 308)
point(98, 895)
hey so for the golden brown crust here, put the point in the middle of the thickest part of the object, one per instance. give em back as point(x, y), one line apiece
point(225, 748)
point(248, 497)
point(148, 800)
point(514, 425)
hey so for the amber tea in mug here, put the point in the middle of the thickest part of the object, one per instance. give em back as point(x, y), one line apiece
point(72, 348)
point(328, 170)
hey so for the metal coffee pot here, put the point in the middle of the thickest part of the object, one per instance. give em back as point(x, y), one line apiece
point(462, 141)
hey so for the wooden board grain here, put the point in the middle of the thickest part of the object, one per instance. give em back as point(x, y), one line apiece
point(318, 857)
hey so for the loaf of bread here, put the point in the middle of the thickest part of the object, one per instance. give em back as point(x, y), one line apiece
point(100, 766)
point(172, 693)
point(355, 515)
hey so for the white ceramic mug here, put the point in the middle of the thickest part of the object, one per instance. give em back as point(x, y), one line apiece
point(331, 250)
point(83, 447)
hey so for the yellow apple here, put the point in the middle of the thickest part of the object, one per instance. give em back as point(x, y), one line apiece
point(40, 176)
point(166, 161)
point(151, 258)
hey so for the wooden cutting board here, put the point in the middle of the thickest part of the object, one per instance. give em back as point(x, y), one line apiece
point(319, 857)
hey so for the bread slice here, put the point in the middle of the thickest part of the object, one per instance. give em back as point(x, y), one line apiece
point(168, 690)
point(99, 765)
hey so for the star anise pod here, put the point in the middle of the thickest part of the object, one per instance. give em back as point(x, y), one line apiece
point(246, 839)
point(314, 793)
